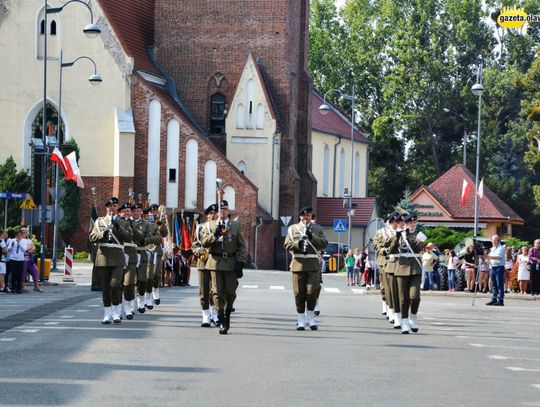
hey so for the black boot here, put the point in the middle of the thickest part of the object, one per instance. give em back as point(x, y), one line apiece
point(221, 323)
point(225, 323)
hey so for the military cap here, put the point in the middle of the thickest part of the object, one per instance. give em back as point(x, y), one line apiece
point(223, 203)
point(211, 208)
point(393, 216)
point(111, 201)
point(410, 217)
point(154, 207)
point(146, 211)
point(124, 206)
point(136, 206)
point(305, 209)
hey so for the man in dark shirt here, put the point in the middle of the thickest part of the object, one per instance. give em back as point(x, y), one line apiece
point(534, 258)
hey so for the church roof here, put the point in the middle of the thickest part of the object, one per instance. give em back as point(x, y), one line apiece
point(134, 26)
point(329, 209)
point(334, 123)
point(447, 191)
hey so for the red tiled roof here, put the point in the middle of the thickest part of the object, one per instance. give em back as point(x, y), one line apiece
point(447, 190)
point(335, 122)
point(329, 209)
point(134, 26)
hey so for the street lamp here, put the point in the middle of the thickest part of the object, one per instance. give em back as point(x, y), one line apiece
point(324, 109)
point(91, 31)
point(95, 80)
point(460, 116)
point(477, 90)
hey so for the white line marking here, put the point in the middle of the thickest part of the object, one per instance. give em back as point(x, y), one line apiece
point(94, 305)
point(358, 291)
point(331, 290)
point(67, 316)
point(7, 339)
point(536, 385)
point(29, 331)
point(521, 369)
point(498, 357)
point(51, 323)
point(277, 287)
point(81, 310)
point(481, 345)
point(250, 286)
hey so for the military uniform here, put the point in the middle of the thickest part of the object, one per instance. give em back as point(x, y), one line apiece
point(109, 234)
point(227, 255)
point(303, 241)
point(209, 312)
point(155, 264)
point(380, 250)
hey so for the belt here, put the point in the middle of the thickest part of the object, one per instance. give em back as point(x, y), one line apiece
point(305, 256)
point(408, 255)
point(223, 255)
point(130, 244)
point(141, 249)
point(111, 245)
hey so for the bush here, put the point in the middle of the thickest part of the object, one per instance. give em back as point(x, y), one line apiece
point(81, 256)
point(446, 238)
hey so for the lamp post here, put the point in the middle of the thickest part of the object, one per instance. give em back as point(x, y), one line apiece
point(95, 80)
point(91, 31)
point(460, 116)
point(477, 90)
point(324, 109)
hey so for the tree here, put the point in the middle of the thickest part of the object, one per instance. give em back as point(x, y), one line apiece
point(12, 180)
point(71, 201)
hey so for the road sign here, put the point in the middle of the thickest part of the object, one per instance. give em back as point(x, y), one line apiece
point(61, 193)
point(14, 195)
point(285, 220)
point(340, 225)
point(28, 203)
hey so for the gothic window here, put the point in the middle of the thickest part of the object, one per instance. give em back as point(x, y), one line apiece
point(326, 169)
point(53, 28)
point(230, 196)
point(242, 166)
point(240, 116)
point(341, 190)
point(250, 104)
point(217, 122)
point(191, 174)
point(210, 175)
point(356, 190)
point(42, 27)
point(260, 116)
point(173, 158)
point(153, 156)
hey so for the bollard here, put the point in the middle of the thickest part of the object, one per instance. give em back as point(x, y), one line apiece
point(68, 265)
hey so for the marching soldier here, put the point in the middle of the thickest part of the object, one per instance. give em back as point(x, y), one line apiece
point(110, 261)
point(396, 222)
point(209, 313)
point(304, 240)
point(227, 255)
point(130, 252)
point(317, 309)
point(155, 265)
point(378, 243)
point(408, 273)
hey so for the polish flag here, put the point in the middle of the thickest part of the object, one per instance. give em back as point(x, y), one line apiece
point(481, 189)
point(72, 169)
point(57, 157)
point(465, 192)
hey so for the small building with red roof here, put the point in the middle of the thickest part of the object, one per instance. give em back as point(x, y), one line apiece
point(439, 204)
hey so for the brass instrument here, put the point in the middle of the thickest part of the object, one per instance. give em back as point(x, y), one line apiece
point(159, 221)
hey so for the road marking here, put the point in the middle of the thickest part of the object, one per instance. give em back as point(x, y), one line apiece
point(481, 345)
point(47, 381)
point(81, 310)
point(51, 323)
point(116, 327)
point(536, 385)
point(84, 284)
point(67, 316)
point(250, 286)
point(277, 287)
point(521, 369)
point(498, 357)
point(358, 291)
point(331, 290)
point(94, 305)
point(7, 339)
point(28, 331)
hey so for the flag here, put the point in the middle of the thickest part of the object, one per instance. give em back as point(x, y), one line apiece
point(465, 192)
point(186, 242)
point(481, 189)
point(177, 236)
point(93, 217)
point(72, 169)
point(57, 157)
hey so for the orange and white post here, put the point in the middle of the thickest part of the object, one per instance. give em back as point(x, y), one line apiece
point(68, 265)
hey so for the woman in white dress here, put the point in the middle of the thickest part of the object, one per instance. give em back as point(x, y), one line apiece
point(524, 273)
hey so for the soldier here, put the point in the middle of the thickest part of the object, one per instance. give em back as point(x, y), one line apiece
point(130, 251)
point(396, 222)
point(317, 310)
point(408, 272)
point(378, 244)
point(209, 313)
point(227, 255)
point(155, 265)
point(304, 240)
point(110, 261)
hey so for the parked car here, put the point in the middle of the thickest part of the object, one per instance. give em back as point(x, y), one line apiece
point(332, 251)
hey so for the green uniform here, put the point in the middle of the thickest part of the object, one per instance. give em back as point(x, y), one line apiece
point(204, 274)
point(378, 243)
point(110, 261)
point(130, 250)
point(145, 238)
point(155, 260)
point(391, 265)
point(305, 264)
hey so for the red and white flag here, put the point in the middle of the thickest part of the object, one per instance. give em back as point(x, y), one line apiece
point(465, 192)
point(72, 169)
point(57, 157)
point(481, 189)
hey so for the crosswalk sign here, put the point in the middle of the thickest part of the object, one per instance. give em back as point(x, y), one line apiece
point(28, 203)
point(340, 225)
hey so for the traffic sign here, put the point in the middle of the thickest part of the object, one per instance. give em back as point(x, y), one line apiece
point(285, 220)
point(28, 203)
point(340, 225)
point(15, 195)
point(61, 193)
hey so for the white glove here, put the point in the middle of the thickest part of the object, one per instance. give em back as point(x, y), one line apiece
point(421, 237)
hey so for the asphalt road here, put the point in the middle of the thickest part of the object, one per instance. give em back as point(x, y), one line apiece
point(54, 351)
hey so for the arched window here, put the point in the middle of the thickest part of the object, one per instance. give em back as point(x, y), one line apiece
point(42, 27)
point(242, 166)
point(240, 116)
point(230, 197)
point(173, 153)
point(53, 28)
point(260, 116)
point(250, 86)
point(217, 122)
point(326, 169)
point(210, 175)
point(192, 174)
point(356, 191)
point(154, 144)
point(341, 190)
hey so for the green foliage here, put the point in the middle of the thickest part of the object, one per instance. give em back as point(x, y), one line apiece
point(71, 201)
point(515, 242)
point(81, 256)
point(446, 238)
point(12, 180)
point(406, 203)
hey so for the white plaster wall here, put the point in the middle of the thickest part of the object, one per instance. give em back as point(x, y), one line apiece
point(153, 161)
point(173, 154)
point(191, 176)
point(210, 188)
